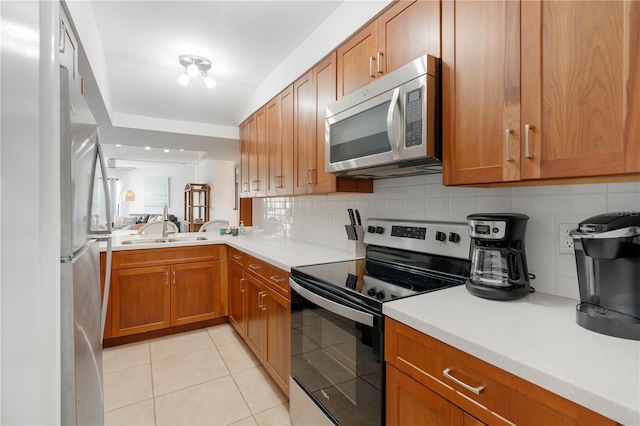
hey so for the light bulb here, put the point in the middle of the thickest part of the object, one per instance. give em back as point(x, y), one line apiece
point(183, 79)
point(193, 70)
point(210, 82)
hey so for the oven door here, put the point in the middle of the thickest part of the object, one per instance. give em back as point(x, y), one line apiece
point(336, 356)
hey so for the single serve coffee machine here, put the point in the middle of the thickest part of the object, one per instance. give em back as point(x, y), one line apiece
point(607, 250)
point(498, 261)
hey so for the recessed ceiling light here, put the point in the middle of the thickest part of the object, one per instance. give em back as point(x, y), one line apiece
point(148, 148)
point(166, 150)
point(181, 149)
point(118, 144)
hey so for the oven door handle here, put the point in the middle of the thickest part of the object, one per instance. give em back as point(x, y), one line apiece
point(330, 305)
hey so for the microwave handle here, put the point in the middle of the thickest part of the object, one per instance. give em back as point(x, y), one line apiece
point(393, 124)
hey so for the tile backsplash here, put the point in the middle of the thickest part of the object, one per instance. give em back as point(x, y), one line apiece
point(321, 218)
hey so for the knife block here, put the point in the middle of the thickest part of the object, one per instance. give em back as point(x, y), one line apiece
point(357, 247)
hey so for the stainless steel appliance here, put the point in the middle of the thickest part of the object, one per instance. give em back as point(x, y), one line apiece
point(390, 127)
point(607, 250)
point(498, 262)
point(337, 328)
point(85, 220)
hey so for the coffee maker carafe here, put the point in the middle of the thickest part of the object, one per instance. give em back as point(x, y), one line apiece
point(607, 250)
point(498, 261)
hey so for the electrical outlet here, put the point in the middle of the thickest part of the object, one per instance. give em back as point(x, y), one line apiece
point(565, 239)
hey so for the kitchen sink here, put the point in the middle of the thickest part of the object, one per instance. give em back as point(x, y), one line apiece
point(164, 240)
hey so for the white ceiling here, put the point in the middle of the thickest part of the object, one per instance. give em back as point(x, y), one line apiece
point(142, 40)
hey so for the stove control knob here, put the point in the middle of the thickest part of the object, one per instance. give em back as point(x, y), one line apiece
point(371, 229)
point(372, 291)
point(441, 236)
point(380, 295)
point(379, 229)
point(454, 237)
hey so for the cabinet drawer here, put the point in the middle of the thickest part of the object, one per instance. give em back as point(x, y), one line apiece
point(237, 257)
point(275, 277)
point(488, 393)
point(162, 256)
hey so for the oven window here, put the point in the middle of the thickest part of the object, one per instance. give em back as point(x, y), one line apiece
point(360, 135)
point(338, 362)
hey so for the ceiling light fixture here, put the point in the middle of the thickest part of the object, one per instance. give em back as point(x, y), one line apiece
point(194, 66)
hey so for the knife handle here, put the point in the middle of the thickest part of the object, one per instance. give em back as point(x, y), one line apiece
point(351, 216)
point(358, 217)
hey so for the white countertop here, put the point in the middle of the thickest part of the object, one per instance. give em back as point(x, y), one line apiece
point(279, 251)
point(535, 338)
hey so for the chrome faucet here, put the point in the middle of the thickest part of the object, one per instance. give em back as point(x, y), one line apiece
point(165, 218)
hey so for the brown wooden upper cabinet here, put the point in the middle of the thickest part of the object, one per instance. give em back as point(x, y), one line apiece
point(540, 90)
point(312, 93)
point(405, 31)
point(280, 143)
point(245, 184)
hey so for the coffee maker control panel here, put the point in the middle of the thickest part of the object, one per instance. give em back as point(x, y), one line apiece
point(491, 230)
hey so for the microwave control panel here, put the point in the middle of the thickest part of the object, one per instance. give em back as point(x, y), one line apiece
point(413, 130)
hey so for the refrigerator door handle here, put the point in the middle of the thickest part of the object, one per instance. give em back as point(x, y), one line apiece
point(107, 272)
point(107, 286)
point(105, 184)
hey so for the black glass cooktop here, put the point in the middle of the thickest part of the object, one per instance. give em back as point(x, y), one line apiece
point(382, 280)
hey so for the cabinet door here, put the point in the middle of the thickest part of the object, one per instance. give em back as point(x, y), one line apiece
point(481, 91)
point(285, 182)
point(254, 308)
point(407, 30)
point(195, 292)
point(277, 352)
point(260, 154)
point(141, 300)
point(357, 64)
point(274, 158)
point(237, 316)
point(304, 132)
point(580, 88)
point(244, 160)
point(324, 77)
point(411, 403)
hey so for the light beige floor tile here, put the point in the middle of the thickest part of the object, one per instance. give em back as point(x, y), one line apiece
point(238, 356)
point(218, 402)
point(258, 389)
point(178, 344)
point(249, 421)
point(125, 356)
point(126, 387)
point(224, 334)
point(186, 370)
point(276, 416)
point(136, 414)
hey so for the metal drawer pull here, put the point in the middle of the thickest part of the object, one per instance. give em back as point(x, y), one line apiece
point(235, 256)
point(507, 133)
point(379, 62)
point(277, 279)
point(527, 153)
point(371, 59)
point(477, 390)
point(254, 266)
point(241, 285)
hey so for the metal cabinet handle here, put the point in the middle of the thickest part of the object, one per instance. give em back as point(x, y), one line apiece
point(446, 373)
point(235, 256)
point(277, 279)
point(263, 305)
point(166, 278)
point(379, 62)
point(371, 59)
point(527, 128)
point(507, 133)
point(241, 285)
point(254, 266)
point(174, 277)
point(260, 294)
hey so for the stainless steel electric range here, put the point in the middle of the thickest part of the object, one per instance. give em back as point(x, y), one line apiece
point(337, 327)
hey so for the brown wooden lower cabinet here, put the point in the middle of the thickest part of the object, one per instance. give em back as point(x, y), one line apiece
point(418, 388)
point(154, 289)
point(259, 310)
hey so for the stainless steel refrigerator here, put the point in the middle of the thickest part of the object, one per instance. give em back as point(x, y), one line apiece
point(86, 222)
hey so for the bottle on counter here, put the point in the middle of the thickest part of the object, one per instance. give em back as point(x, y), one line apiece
point(241, 228)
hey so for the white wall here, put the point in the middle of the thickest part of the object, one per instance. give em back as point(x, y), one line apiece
point(321, 218)
point(220, 176)
point(29, 214)
point(179, 175)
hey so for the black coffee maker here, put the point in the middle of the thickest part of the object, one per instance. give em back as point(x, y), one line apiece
point(607, 250)
point(498, 261)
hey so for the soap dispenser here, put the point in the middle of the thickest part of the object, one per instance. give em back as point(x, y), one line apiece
point(241, 228)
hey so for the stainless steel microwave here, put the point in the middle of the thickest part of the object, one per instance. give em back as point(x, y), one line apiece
point(388, 128)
